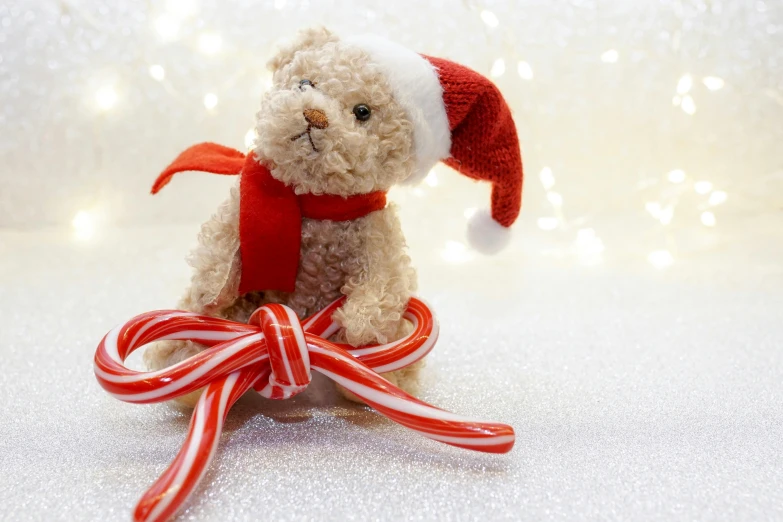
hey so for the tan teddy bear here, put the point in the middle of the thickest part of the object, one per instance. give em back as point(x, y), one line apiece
point(345, 120)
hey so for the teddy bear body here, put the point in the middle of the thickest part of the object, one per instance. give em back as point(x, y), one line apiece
point(313, 138)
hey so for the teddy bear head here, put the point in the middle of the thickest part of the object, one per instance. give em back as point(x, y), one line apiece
point(330, 123)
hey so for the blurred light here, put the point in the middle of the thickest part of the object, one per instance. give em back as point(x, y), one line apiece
point(470, 212)
point(676, 101)
point(688, 105)
point(489, 18)
point(455, 252)
point(685, 84)
point(182, 8)
point(654, 208)
point(585, 234)
point(167, 26)
point(660, 259)
point(157, 72)
point(84, 225)
point(676, 176)
point(431, 179)
point(547, 178)
point(610, 56)
point(588, 244)
point(718, 197)
point(280, 4)
point(418, 192)
point(708, 219)
point(210, 43)
point(548, 223)
point(666, 215)
point(525, 71)
point(555, 198)
point(713, 83)
point(106, 98)
point(702, 187)
point(210, 100)
point(498, 68)
point(250, 138)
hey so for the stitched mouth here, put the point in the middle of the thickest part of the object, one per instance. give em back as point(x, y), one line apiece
point(309, 137)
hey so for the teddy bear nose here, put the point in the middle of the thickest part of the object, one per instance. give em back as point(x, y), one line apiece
point(317, 118)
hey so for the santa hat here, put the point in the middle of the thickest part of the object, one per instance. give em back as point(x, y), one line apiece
point(459, 117)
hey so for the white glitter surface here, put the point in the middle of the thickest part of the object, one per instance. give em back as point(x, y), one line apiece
point(632, 333)
point(636, 394)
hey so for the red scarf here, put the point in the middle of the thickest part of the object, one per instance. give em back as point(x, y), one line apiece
point(270, 214)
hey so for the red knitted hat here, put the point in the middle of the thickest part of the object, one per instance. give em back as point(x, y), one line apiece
point(459, 117)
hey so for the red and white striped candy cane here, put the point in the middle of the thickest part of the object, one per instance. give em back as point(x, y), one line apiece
point(273, 354)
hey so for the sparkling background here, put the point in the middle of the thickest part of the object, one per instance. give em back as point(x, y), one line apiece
point(631, 332)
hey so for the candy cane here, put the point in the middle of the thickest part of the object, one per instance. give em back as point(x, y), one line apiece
point(274, 354)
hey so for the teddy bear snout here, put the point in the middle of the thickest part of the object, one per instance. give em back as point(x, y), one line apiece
point(316, 118)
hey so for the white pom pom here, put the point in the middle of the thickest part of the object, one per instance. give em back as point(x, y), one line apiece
point(487, 235)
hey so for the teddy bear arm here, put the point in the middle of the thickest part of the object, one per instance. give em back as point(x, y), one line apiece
point(216, 262)
point(214, 287)
point(379, 289)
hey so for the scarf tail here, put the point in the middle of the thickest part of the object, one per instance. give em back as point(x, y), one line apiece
point(270, 213)
point(204, 157)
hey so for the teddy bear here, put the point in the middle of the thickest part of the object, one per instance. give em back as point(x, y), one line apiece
point(308, 222)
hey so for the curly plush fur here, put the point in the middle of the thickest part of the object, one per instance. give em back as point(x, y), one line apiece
point(363, 259)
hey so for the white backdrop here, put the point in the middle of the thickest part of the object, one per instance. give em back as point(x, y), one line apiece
point(623, 105)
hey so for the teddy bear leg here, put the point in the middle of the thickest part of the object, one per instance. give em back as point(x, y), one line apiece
point(167, 353)
point(407, 379)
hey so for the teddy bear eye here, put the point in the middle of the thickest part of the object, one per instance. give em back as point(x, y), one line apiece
point(362, 112)
point(305, 83)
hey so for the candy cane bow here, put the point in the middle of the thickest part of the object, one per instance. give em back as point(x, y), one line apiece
point(273, 354)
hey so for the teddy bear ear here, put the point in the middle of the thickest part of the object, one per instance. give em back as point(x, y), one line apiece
point(310, 38)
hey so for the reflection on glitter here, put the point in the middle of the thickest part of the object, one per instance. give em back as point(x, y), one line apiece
point(547, 178)
point(524, 70)
point(167, 26)
point(456, 252)
point(676, 176)
point(717, 198)
point(610, 56)
point(498, 68)
point(157, 72)
point(210, 43)
point(84, 225)
point(182, 8)
point(654, 208)
point(685, 84)
point(106, 98)
point(702, 187)
point(250, 138)
point(547, 223)
point(713, 83)
point(489, 18)
point(210, 100)
point(588, 246)
point(660, 259)
point(688, 105)
point(666, 215)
